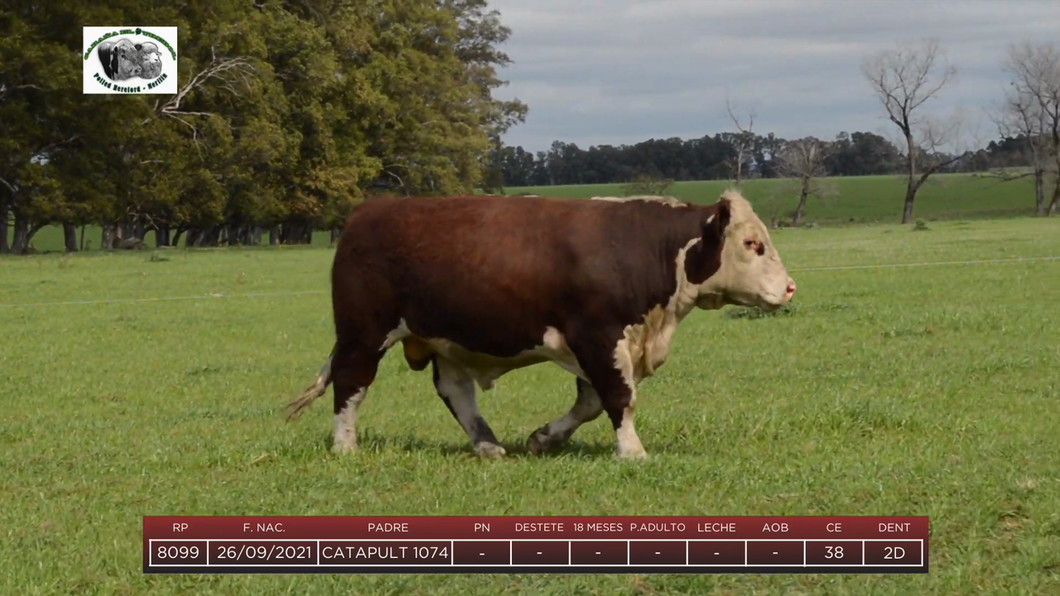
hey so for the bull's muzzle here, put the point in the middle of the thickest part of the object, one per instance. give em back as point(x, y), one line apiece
point(790, 290)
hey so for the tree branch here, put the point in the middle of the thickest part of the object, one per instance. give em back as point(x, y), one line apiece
point(938, 166)
point(219, 70)
point(5, 89)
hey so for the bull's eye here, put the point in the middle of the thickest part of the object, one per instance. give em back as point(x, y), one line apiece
point(754, 245)
point(749, 243)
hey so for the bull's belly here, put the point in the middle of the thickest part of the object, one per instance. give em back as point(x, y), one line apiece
point(485, 369)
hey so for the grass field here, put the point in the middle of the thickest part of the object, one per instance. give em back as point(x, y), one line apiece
point(883, 391)
point(860, 199)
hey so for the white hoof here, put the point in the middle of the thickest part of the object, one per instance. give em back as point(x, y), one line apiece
point(343, 448)
point(489, 451)
point(638, 455)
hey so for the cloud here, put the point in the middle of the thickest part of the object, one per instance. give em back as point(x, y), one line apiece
point(622, 71)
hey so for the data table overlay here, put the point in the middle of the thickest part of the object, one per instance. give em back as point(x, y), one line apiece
point(575, 544)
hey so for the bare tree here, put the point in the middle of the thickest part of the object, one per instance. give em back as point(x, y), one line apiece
point(803, 160)
point(904, 79)
point(743, 140)
point(1021, 118)
point(1032, 109)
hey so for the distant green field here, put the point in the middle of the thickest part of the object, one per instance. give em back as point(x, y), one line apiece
point(863, 199)
point(884, 390)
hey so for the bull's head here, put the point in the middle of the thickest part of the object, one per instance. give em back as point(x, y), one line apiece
point(747, 270)
point(120, 59)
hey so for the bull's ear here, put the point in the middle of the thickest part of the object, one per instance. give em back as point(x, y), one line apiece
point(716, 222)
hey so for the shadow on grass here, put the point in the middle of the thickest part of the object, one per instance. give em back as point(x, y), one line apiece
point(373, 443)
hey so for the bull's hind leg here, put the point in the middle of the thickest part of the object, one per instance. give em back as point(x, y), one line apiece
point(457, 390)
point(353, 369)
point(587, 407)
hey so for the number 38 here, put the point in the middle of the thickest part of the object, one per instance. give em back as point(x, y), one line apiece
point(833, 552)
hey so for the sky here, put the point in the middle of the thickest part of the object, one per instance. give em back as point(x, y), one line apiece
point(622, 71)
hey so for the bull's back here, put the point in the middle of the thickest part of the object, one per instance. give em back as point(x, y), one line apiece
point(488, 274)
point(499, 243)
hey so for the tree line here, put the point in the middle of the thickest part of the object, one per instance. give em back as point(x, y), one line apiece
point(903, 79)
point(289, 112)
point(714, 157)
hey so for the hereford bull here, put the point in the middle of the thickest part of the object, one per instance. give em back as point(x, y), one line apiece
point(477, 286)
point(120, 58)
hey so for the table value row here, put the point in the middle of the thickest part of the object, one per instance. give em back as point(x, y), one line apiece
point(214, 553)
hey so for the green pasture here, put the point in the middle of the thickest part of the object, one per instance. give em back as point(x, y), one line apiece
point(930, 390)
point(861, 199)
point(856, 199)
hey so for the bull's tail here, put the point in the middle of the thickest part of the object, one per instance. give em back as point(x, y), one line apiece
point(319, 386)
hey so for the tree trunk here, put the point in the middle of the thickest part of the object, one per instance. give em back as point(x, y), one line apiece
point(910, 196)
point(24, 233)
point(176, 236)
point(243, 235)
point(804, 193)
point(295, 232)
point(211, 236)
point(1039, 192)
point(274, 235)
point(109, 236)
point(1053, 204)
point(336, 233)
point(69, 237)
point(131, 230)
point(82, 243)
point(194, 237)
point(910, 189)
point(3, 227)
point(20, 239)
point(162, 235)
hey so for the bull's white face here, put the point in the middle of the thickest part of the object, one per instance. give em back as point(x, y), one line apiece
point(751, 272)
point(128, 59)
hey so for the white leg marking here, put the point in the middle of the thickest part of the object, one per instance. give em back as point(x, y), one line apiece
point(346, 424)
point(629, 446)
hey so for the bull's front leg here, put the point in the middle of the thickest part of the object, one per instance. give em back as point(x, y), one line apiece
point(607, 362)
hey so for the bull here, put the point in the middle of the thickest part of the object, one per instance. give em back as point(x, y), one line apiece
point(478, 286)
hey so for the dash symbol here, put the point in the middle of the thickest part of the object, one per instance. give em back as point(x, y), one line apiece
point(597, 552)
point(774, 552)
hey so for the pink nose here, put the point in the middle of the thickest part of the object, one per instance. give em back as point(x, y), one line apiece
point(790, 290)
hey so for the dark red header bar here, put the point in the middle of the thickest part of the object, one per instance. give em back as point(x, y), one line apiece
point(525, 528)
